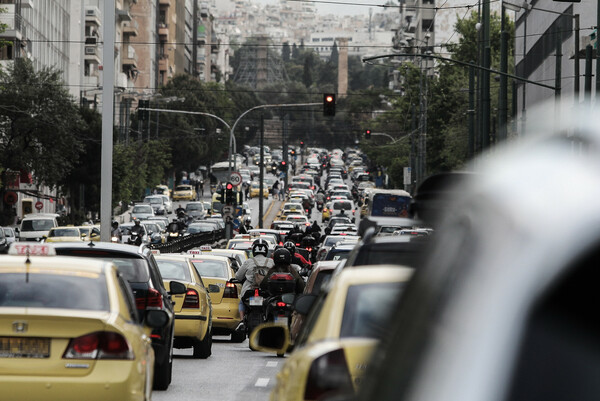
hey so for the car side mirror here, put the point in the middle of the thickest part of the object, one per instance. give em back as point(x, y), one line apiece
point(177, 288)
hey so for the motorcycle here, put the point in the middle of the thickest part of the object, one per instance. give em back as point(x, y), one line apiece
point(271, 305)
point(135, 238)
point(174, 231)
point(320, 205)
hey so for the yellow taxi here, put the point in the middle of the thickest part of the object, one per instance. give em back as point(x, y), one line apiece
point(217, 271)
point(350, 315)
point(68, 329)
point(255, 190)
point(184, 192)
point(236, 257)
point(289, 208)
point(63, 234)
point(162, 190)
point(89, 233)
point(326, 213)
point(193, 310)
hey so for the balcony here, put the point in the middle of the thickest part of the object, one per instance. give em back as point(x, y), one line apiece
point(92, 15)
point(91, 81)
point(130, 28)
point(123, 15)
point(165, 3)
point(163, 63)
point(129, 58)
point(12, 22)
point(27, 4)
point(92, 54)
point(163, 31)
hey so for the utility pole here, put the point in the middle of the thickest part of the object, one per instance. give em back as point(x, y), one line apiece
point(485, 84)
point(261, 172)
point(503, 104)
point(195, 39)
point(108, 85)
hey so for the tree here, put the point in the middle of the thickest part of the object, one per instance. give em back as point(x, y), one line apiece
point(334, 54)
point(295, 52)
point(285, 52)
point(39, 123)
point(307, 73)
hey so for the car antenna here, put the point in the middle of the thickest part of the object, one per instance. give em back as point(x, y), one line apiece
point(91, 243)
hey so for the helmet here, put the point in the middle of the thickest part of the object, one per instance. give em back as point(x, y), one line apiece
point(290, 246)
point(260, 247)
point(115, 224)
point(282, 257)
point(248, 220)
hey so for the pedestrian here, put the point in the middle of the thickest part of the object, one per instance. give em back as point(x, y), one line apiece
point(276, 190)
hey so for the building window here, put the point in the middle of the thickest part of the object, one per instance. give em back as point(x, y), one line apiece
point(427, 25)
point(6, 52)
point(315, 39)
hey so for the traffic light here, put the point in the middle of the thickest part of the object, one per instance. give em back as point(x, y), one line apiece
point(283, 166)
point(329, 104)
point(301, 144)
point(368, 134)
point(229, 194)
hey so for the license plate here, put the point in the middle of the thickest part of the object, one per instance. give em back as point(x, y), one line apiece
point(24, 347)
point(256, 301)
point(281, 320)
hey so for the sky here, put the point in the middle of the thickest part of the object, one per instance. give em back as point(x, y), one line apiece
point(338, 8)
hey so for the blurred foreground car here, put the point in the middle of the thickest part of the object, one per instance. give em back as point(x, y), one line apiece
point(346, 321)
point(69, 330)
point(506, 308)
point(193, 310)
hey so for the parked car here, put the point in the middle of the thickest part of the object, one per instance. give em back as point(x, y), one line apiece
point(139, 268)
point(10, 234)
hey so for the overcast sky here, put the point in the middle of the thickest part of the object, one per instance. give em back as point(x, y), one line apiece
point(340, 9)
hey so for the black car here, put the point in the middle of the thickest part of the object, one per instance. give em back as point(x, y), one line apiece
point(138, 266)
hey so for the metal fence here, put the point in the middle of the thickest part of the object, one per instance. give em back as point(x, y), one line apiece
point(188, 242)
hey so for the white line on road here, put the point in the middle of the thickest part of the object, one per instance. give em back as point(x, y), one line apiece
point(271, 364)
point(262, 382)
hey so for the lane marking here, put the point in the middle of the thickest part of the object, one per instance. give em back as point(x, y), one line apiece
point(272, 364)
point(262, 382)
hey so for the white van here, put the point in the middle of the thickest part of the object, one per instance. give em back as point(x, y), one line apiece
point(36, 225)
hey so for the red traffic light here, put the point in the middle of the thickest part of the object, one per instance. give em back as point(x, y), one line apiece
point(229, 186)
point(283, 163)
point(329, 98)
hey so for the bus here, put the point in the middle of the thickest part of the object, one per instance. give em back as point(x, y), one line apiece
point(387, 202)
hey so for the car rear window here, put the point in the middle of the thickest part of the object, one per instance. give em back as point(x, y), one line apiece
point(134, 269)
point(211, 268)
point(368, 309)
point(322, 278)
point(337, 254)
point(174, 270)
point(61, 291)
point(342, 205)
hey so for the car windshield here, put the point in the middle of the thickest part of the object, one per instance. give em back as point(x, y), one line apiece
point(142, 209)
point(368, 309)
point(182, 188)
point(37, 225)
point(8, 232)
point(45, 290)
point(211, 268)
point(174, 270)
point(194, 206)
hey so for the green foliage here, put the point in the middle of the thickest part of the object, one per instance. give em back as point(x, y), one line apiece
point(286, 52)
point(39, 122)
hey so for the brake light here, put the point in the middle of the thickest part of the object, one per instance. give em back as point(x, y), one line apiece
point(256, 294)
point(309, 249)
point(192, 300)
point(328, 373)
point(281, 304)
point(153, 299)
point(99, 345)
point(230, 291)
point(281, 276)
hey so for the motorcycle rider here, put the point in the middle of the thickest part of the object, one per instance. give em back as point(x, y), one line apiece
point(282, 260)
point(247, 226)
point(246, 273)
point(116, 232)
point(139, 230)
point(297, 259)
point(320, 199)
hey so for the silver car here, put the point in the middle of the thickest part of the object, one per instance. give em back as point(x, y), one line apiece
point(142, 211)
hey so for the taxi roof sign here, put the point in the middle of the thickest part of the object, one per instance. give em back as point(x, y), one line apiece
point(194, 252)
point(33, 249)
point(206, 248)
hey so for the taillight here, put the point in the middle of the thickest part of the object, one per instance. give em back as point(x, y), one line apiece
point(230, 291)
point(328, 373)
point(281, 304)
point(99, 345)
point(192, 300)
point(281, 276)
point(309, 249)
point(153, 299)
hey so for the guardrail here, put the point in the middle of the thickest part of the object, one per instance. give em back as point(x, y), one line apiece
point(188, 242)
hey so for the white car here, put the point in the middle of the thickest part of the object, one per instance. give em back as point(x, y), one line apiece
point(10, 234)
point(142, 211)
point(298, 219)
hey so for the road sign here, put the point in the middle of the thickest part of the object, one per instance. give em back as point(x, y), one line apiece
point(235, 178)
point(227, 211)
point(39, 205)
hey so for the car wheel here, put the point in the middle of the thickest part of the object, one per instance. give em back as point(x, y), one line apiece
point(238, 336)
point(203, 348)
point(162, 375)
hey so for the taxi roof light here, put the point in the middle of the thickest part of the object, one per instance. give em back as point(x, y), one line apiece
point(21, 249)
